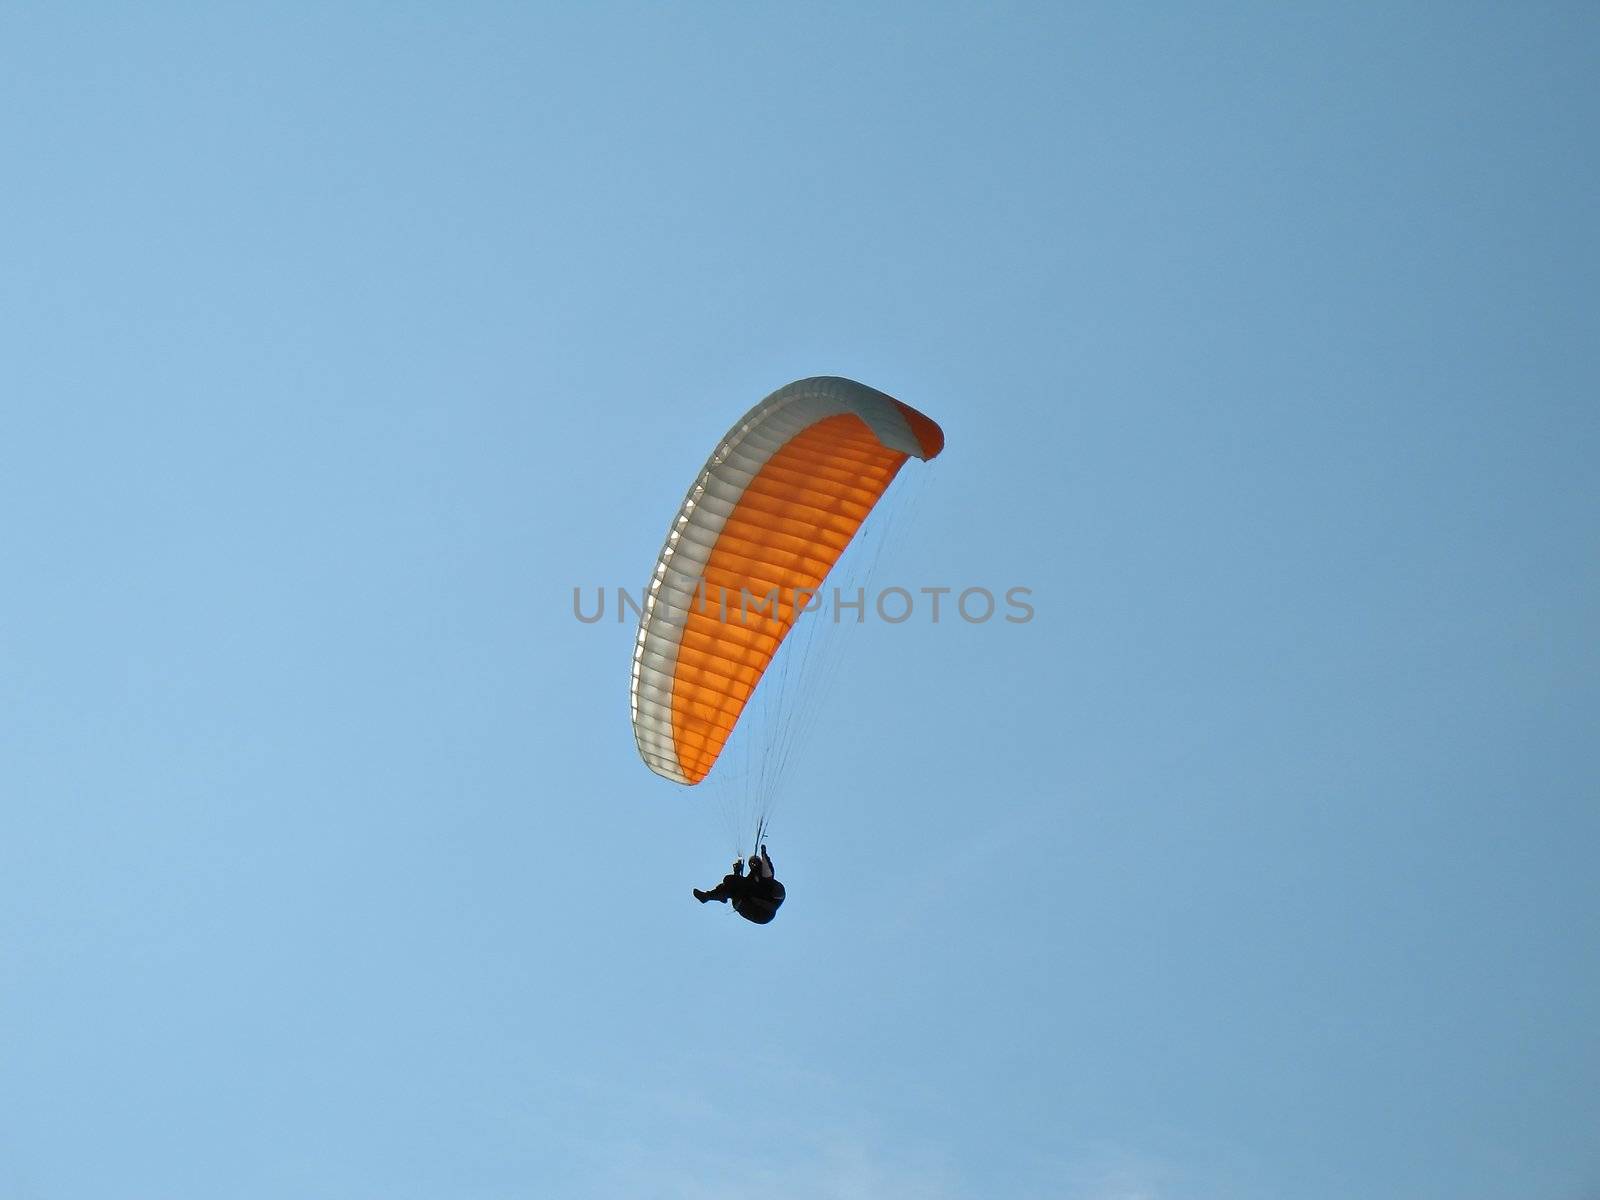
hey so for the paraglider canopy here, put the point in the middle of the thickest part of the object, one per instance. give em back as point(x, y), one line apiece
point(769, 514)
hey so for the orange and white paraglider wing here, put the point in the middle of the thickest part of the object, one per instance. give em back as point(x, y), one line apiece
point(772, 510)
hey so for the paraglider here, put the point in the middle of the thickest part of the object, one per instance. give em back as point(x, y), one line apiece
point(756, 896)
point(781, 496)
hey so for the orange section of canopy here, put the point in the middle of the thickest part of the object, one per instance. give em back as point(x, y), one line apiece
point(786, 531)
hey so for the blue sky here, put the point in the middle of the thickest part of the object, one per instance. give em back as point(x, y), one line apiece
point(338, 344)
